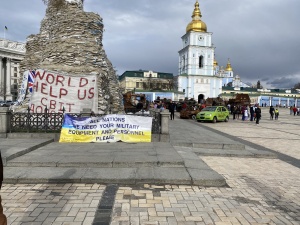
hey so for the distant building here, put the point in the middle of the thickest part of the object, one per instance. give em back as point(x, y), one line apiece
point(152, 84)
point(11, 54)
point(237, 83)
point(145, 80)
point(264, 97)
point(226, 74)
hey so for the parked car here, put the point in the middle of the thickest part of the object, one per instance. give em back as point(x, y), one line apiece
point(213, 114)
point(6, 103)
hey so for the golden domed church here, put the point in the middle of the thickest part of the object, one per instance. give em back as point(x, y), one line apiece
point(226, 74)
point(199, 73)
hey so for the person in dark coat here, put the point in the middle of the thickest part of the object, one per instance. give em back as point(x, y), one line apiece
point(172, 109)
point(139, 106)
point(3, 219)
point(272, 110)
point(251, 113)
point(234, 112)
point(258, 114)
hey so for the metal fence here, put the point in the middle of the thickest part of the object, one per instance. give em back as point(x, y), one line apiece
point(52, 122)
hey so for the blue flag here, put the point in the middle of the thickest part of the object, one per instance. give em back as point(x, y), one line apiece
point(6, 28)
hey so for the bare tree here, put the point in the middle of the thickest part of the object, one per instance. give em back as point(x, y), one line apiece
point(158, 84)
point(175, 83)
point(170, 85)
point(296, 86)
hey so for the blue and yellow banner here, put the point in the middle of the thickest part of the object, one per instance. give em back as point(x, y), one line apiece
point(109, 128)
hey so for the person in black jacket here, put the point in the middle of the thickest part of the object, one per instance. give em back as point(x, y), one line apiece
point(272, 110)
point(172, 109)
point(139, 106)
point(251, 112)
point(258, 114)
point(3, 219)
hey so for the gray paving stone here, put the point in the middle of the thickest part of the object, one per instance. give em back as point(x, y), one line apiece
point(206, 177)
point(171, 175)
point(196, 164)
point(42, 174)
point(109, 175)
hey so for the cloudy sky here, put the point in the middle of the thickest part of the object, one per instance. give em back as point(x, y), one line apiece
point(261, 37)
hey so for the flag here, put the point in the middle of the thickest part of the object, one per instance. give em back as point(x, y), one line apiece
point(31, 77)
point(5, 27)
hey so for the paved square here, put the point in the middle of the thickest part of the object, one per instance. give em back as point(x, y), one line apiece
point(51, 203)
point(259, 190)
point(254, 196)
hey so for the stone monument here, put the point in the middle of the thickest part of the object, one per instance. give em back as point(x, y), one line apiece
point(70, 42)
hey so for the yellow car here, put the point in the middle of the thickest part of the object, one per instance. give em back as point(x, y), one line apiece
point(214, 114)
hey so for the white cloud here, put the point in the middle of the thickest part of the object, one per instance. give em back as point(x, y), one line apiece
point(260, 37)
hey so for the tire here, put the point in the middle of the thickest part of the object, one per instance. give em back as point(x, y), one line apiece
point(214, 120)
point(226, 119)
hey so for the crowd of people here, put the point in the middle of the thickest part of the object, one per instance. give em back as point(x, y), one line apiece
point(253, 112)
point(294, 110)
point(244, 112)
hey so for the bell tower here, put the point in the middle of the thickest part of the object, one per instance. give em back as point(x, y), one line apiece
point(196, 60)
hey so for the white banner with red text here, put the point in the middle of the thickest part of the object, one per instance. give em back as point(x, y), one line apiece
point(57, 91)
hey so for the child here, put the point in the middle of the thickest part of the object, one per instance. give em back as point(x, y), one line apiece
point(276, 114)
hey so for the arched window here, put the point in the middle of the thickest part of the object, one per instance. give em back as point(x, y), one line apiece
point(201, 61)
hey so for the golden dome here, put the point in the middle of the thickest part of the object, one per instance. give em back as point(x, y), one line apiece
point(215, 63)
point(197, 24)
point(228, 67)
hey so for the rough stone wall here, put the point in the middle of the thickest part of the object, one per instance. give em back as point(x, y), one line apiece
point(70, 41)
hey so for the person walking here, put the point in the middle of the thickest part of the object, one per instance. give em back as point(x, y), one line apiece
point(251, 113)
point(237, 112)
point(258, 114)
point(243, 112)
point(159, 104)
point(172, 109)
point(234, 112)
point(295, 110)
point(276, 114)
point(139, 106)
point(246, 114)
point(271, 111)
point(232, 108)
